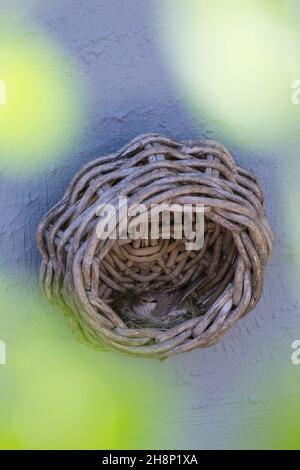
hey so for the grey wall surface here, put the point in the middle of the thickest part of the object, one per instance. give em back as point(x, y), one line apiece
point(115, 44)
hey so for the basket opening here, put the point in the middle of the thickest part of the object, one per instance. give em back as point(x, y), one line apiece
point(193, 280)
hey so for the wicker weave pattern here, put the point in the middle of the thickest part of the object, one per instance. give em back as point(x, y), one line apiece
point(81, 273)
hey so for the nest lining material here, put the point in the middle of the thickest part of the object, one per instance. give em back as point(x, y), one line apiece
point(91, 279)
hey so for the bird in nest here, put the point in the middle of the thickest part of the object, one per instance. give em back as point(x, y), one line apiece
point(157, 309)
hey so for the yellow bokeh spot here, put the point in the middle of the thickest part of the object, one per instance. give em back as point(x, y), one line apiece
point(235, 62)
point(40, 105)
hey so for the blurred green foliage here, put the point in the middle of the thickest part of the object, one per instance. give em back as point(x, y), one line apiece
point(57, 393)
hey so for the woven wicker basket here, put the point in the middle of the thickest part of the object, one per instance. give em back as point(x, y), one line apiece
point(87, 277)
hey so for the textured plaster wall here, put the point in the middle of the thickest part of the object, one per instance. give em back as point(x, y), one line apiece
point(116, 46)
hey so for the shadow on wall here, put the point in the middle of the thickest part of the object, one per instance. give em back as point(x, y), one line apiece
point(126, 92)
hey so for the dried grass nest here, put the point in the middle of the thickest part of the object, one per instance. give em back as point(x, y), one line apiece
point(90, 279)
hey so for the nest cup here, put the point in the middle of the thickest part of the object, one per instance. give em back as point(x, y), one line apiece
point(83, 274)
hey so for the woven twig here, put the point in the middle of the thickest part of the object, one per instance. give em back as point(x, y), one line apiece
point(83, 274)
